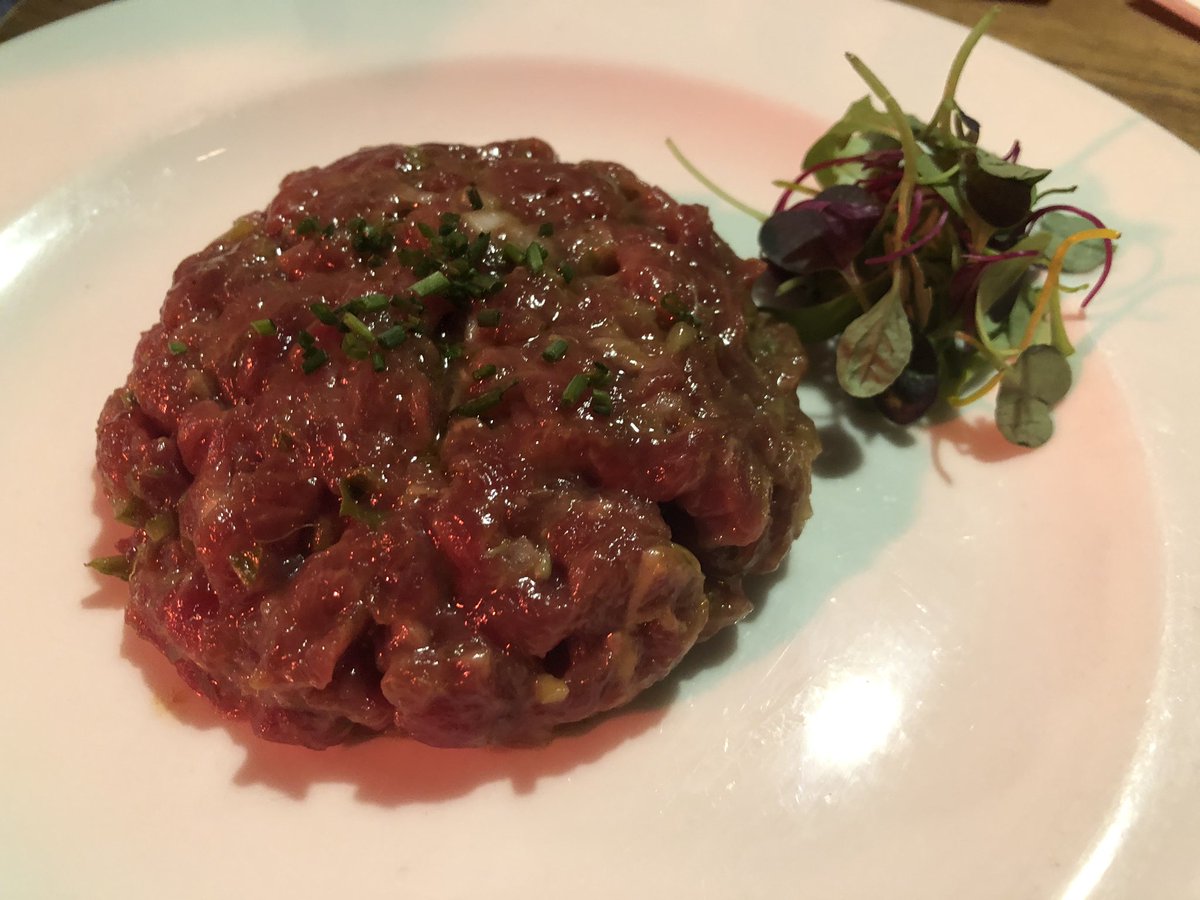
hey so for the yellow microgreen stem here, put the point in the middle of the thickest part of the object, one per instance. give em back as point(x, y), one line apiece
point(1054, 272)
point(712, 185)
point(941, 118)
point(908, 143)
point(795, 186)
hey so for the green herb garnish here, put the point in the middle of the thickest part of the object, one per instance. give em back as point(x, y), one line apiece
point(483, 403)
point(116, 566)
point(929, 260)
point(555, 351)
point(177, 348)
point(265, 327)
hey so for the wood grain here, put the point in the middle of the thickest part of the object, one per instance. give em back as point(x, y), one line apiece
point(1131, 50)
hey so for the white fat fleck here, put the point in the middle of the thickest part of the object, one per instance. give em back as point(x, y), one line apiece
point(501, 224)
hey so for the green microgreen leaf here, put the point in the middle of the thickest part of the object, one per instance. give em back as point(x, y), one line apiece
point(1040, 378)
point(431, 284)
point(1081, 257)
point(875, 347)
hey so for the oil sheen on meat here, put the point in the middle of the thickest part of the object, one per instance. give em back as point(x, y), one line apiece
point(510, 498)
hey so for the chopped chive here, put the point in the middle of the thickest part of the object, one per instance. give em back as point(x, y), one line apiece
point(355, 504)
point(473, 197)
point(372, 302)
point(601, 402)
point(601, 377)
point(117, 566)
point(314, 358)
point(484, 372)
point(556, 351)
point(177, 347)
point(307, 225)
point(358, 326)
point(546, 229)
point(431, 284)
point(355, 347)
point(567, 272)
point(451, 351)
point(535, 257)
point(160, 527)
point(393, 337)
point(264, 327)
point(488, 318)
point(485, 401)
point(306, 340)
point(675, 309)
point(574, 390)
point(512, 253)
point(323, 313)
point(245, 565)
point(378, 362)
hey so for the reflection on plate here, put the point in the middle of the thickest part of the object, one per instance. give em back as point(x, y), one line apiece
point(975, 677)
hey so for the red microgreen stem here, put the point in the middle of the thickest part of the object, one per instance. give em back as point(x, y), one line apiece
point(1095, 221)
point(915, 246)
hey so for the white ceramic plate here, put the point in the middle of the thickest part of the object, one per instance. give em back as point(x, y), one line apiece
point(978, 675)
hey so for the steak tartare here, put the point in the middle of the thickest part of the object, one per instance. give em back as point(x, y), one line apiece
point(459, 443)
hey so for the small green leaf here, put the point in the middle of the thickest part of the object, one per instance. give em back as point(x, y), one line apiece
point(1000, 168)
point(1001, 201)
point(875, 347)
point(1040, 378)
point(843, 138)
point(821, 321)
point(1082, 257)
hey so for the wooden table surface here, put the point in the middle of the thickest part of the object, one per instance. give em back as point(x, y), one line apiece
point(1148, 60)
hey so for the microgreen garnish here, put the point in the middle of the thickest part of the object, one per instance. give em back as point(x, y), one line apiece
point(177, 348)
point(920, 252)
point(556, 350)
